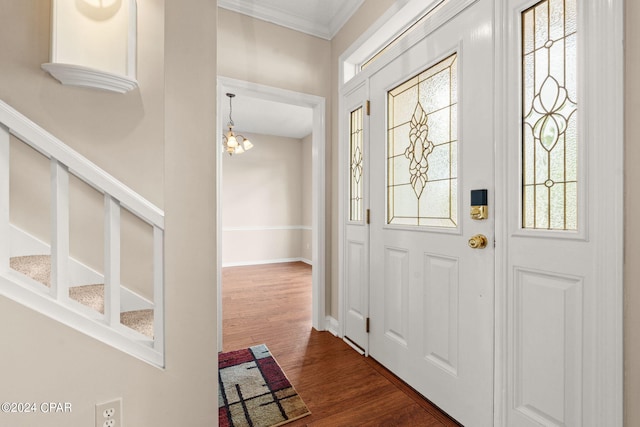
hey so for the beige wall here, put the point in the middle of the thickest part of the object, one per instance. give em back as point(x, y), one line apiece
point(260, 52)
point(130, 136)
point(267, 54)
point(263, 189)
point(632, 205)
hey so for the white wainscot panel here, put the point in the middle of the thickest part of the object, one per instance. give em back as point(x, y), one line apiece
point(548, 364)
point(441, 312)
point(356, 279)
point(396, 294)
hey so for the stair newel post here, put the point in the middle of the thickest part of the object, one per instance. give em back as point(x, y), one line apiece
point(59, 230)
point(5, 229)
point(112, 261)
point(158, 288)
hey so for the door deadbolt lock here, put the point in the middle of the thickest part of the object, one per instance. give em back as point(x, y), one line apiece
point(479, 241)
point(479, 205)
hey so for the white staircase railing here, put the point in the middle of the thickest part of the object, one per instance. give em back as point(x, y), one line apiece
point(54, 301)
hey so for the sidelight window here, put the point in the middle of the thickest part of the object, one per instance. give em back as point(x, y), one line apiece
point(356, 165)
point(549, 116)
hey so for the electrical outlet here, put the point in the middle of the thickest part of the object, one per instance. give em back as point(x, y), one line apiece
point(109, 414)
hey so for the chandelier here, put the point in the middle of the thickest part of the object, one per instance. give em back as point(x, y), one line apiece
point(234, 143)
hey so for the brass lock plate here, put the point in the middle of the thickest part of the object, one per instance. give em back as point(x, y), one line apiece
point(480, 212)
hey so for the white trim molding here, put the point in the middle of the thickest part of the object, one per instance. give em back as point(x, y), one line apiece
point(332, 326)
point(391, 24)
point(604, 25)
point(501, 189)
point(5, 198)
point(267, 228)
point(265, 262)
point(77, 75)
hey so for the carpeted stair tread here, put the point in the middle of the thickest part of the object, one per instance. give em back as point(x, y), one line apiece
point(38, 267)
point(90, 295)
point(139, 320)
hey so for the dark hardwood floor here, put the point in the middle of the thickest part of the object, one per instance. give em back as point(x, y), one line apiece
point(271, 304)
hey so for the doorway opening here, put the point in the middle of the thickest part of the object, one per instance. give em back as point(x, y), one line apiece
point(312, 236)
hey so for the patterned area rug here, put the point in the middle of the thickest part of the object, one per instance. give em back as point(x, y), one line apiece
point(254, 392)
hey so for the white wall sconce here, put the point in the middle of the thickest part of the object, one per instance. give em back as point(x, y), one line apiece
point(93, 44)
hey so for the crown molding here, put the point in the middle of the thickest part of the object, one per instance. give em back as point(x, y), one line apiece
point(305, 24)
point(342, 16)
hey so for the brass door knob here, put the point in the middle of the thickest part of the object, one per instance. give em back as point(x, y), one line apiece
point(479, 241)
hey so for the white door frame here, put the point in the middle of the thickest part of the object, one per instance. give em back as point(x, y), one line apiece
point(318, 203)
point(606, 36)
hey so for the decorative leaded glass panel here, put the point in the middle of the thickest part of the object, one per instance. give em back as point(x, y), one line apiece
point(549, 115)
point(422, 148)
point(355, 159)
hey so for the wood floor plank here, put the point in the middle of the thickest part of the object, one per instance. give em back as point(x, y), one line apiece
point(271, 304)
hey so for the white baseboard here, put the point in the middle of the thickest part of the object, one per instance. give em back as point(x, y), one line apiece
point(332, 326)
point(265, 261)
point(267, 228)
point(24, 244)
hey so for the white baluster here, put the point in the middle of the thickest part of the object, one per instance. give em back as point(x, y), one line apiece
point(5, 229)
point(59, 231)
point(158, 288)
point(112, 260)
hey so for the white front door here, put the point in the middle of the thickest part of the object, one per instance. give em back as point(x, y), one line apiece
point(431, 144)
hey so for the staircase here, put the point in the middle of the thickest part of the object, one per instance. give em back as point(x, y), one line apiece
point(38, 268)
point(45, 277)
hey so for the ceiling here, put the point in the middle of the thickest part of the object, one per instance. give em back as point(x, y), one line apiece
point(255, 115)
point(320, 18)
